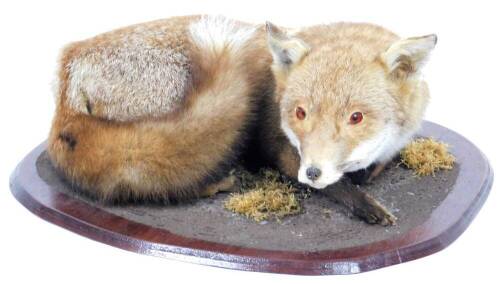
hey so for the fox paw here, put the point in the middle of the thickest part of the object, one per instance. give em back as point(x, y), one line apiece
point(373, 212)
point(227, 184)
point(362, 205)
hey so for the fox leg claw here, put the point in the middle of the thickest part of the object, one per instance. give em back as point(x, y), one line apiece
point(362, 205)
point(227, 184)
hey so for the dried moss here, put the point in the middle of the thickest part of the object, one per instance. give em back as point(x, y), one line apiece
point(265, 195)
point(426, 155)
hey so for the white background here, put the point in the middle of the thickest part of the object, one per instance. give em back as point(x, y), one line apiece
point(463, 75)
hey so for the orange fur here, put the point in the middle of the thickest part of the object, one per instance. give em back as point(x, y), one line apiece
point(172, 156)
point(159, 110)
point(346, 68)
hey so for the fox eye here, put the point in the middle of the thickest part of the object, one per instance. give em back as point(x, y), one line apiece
point(300, 113)
point(356, 118)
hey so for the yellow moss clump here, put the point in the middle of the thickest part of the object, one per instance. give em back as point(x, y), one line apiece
point(264, 196)
point(426, 155)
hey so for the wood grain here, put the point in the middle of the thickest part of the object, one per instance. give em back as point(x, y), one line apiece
point(446, 223)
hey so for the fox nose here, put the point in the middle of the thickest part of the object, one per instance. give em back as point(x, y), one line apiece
point(313, 173)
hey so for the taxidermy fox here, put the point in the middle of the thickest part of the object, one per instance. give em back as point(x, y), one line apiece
point(162, 110)
point(347, 96)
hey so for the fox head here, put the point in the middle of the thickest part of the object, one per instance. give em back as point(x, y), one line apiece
point(345, 107)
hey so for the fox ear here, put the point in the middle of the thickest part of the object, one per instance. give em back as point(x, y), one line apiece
point(407, 56)
point(286, 50)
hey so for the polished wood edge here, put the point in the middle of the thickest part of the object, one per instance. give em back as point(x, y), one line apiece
point(432, 236)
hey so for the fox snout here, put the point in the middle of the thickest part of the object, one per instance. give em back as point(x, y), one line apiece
point(313, 173)
point(318, 176)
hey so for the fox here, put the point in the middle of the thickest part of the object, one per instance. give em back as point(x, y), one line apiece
point(348, 97)
point(164, 110)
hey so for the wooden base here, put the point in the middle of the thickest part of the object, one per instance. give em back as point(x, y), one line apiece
point(443, 225)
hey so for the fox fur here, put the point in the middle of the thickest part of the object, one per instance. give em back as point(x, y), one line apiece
point(157, 111)
point(161, 110)
point(330, 72)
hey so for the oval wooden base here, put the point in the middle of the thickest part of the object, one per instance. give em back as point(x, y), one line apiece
point(443, 226)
